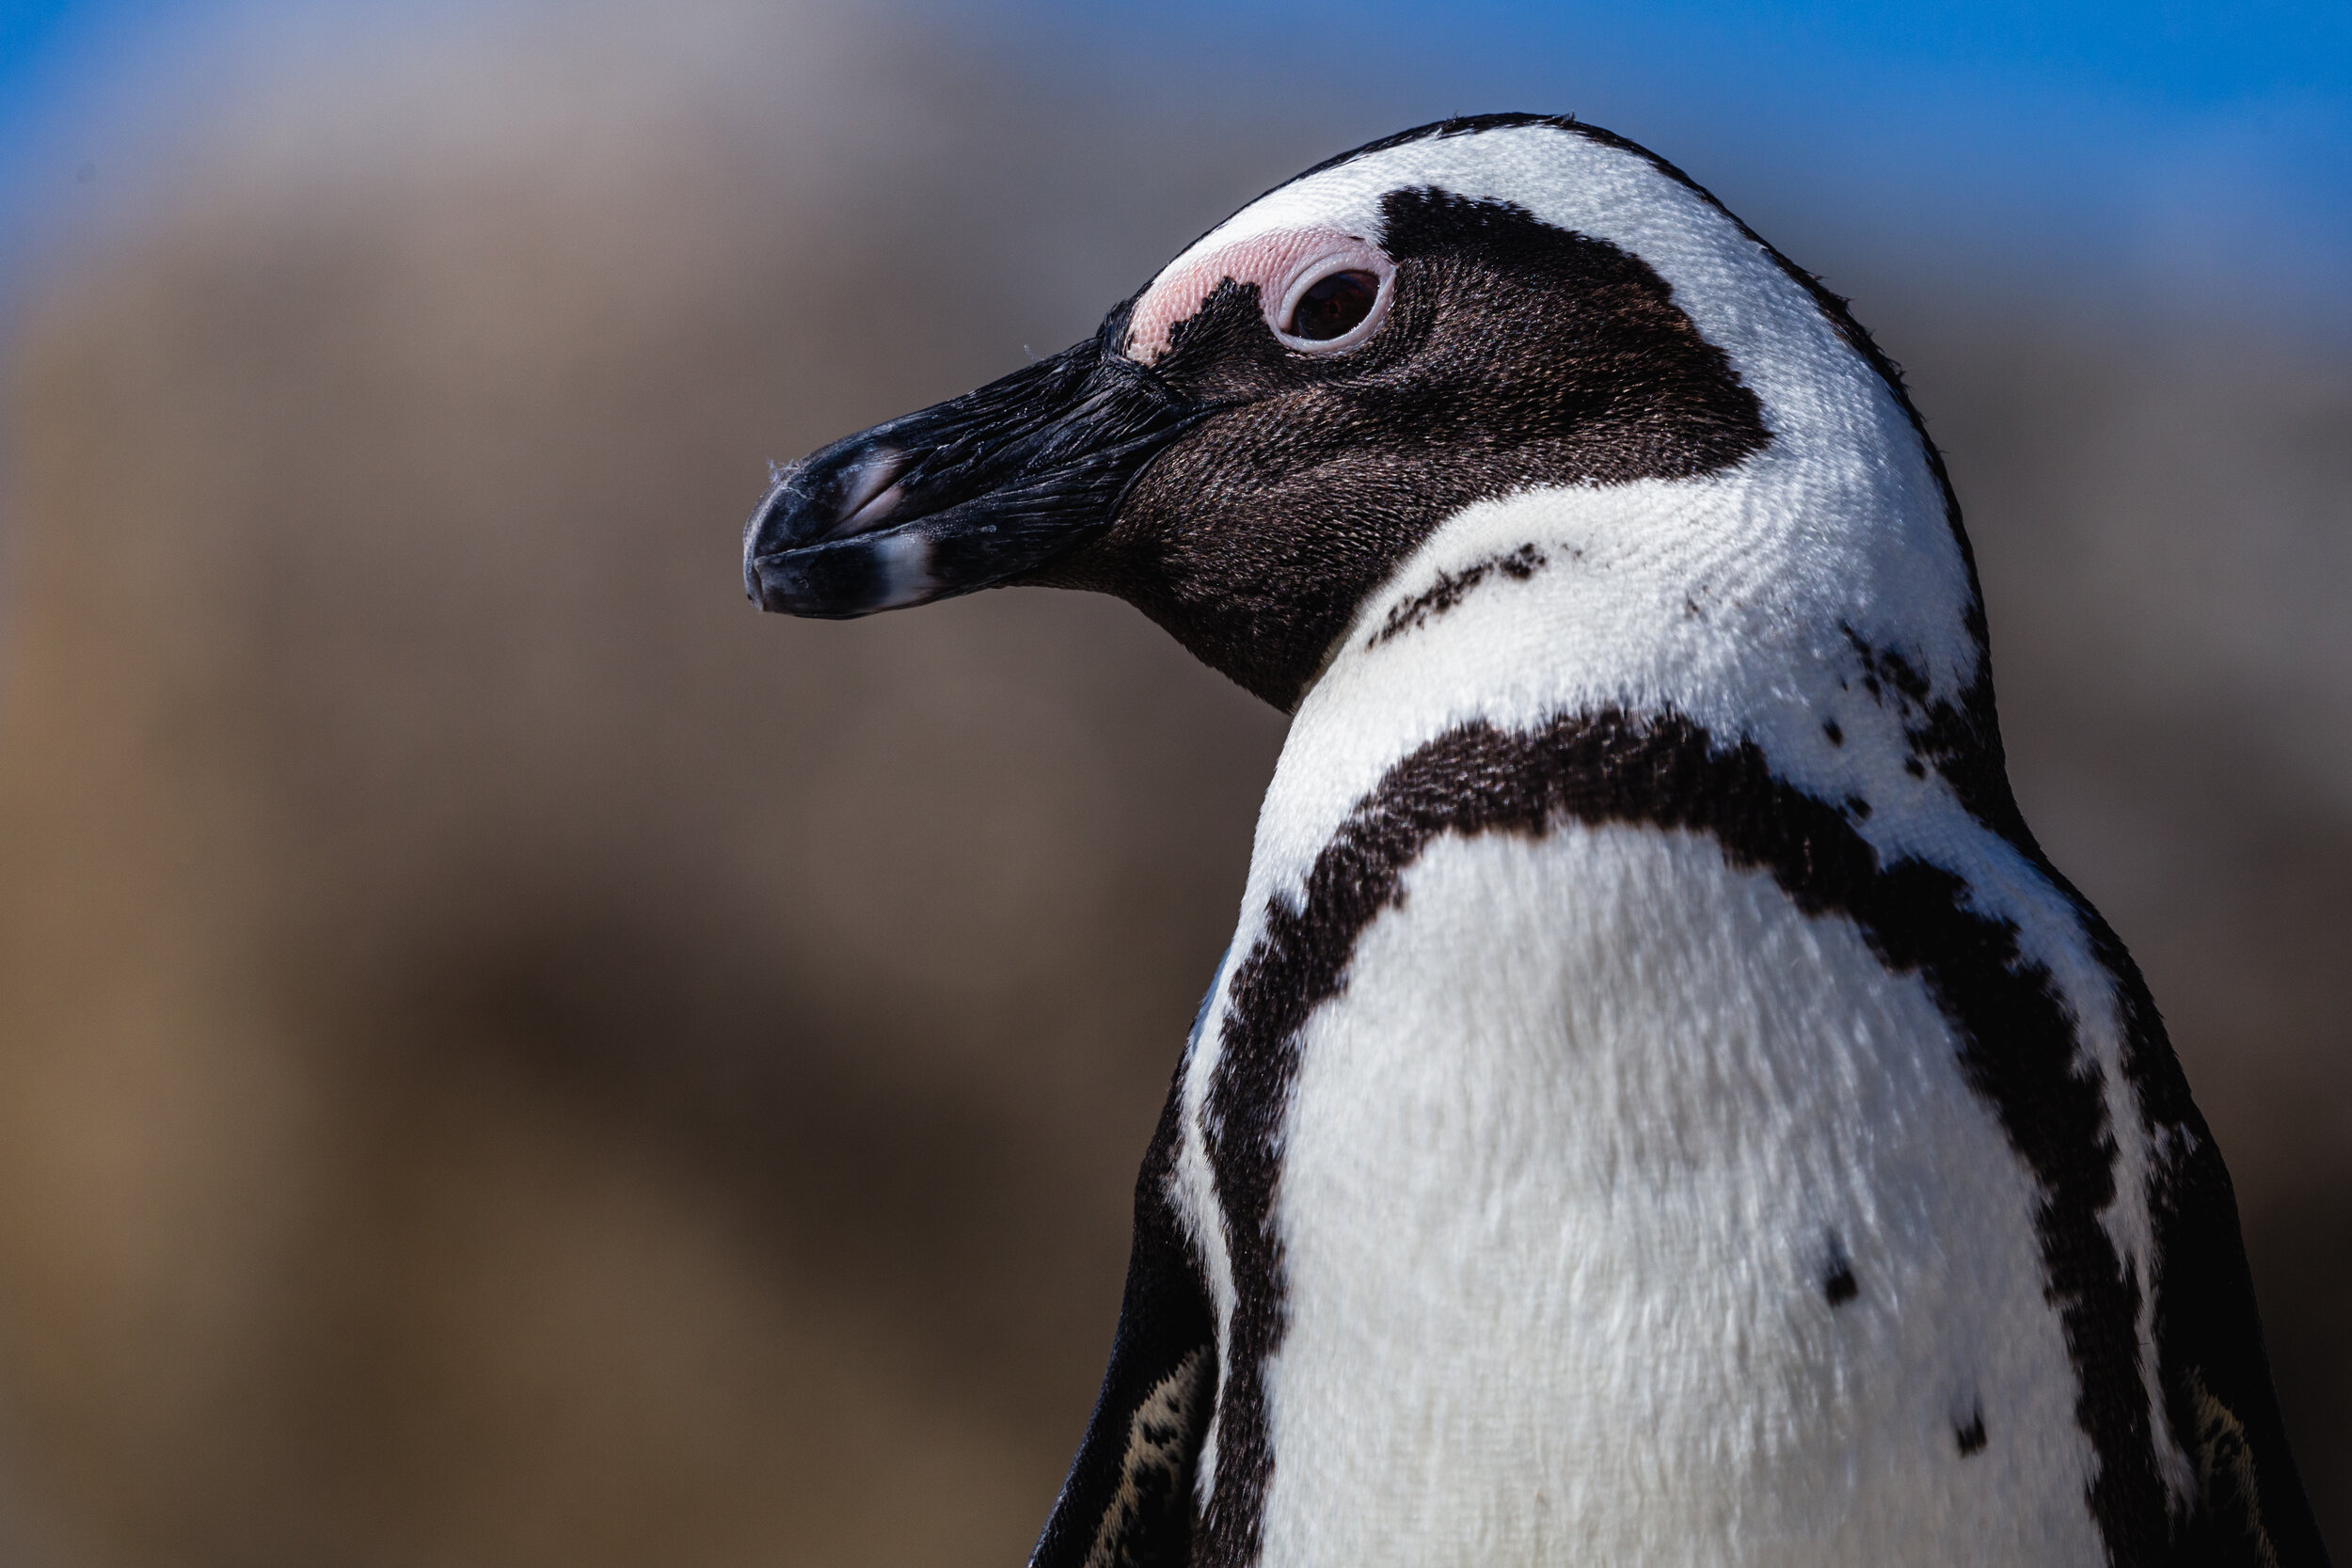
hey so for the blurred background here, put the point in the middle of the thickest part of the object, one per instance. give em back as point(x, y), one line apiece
point(509, 1057)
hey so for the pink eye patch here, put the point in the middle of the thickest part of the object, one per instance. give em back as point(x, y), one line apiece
point(1285, 265)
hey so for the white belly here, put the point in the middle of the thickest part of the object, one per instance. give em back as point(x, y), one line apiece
point(1566, 1170)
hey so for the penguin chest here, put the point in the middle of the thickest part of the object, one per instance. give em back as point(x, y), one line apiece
point(1628, 1212)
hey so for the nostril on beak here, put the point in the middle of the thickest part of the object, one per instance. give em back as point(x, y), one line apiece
point(869, 492)
point(870, 515)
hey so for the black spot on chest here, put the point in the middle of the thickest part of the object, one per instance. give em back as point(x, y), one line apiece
point(1838, 1284)
point(1451, 588)
point(1514, 354)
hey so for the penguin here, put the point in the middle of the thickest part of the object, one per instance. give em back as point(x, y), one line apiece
point(1661, 1105)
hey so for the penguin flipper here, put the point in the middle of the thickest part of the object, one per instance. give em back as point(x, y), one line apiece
point(2251, 1509)
point(1128, 1501)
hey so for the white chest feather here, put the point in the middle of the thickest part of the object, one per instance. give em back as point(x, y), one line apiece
point(1631, 1214)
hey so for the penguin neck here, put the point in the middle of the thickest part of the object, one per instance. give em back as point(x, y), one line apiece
point(1808, 606)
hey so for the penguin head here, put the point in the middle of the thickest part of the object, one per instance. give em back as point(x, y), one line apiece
point(1256, 447)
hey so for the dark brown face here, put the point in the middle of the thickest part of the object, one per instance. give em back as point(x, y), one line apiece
point(1299, 430)
point(1513, 354)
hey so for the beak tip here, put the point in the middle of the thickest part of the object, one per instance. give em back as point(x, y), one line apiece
point(773, 531)
point(970, 492)
point(833, 581)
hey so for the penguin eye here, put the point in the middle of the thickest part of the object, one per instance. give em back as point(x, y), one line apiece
point(1336, 302)
point(1333, 307)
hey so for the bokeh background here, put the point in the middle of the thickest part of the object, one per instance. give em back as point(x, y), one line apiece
point(508, 1057)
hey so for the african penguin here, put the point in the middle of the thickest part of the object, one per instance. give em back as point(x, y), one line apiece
point(1660, 1105)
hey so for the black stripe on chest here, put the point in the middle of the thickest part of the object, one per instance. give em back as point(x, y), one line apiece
point(2017, 1046)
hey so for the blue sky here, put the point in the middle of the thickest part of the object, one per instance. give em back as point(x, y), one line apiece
point(2168, 155)
point(55, 58)
point(2171, 157)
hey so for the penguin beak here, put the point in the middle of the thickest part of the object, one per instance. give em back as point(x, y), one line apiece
point(976, 491)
